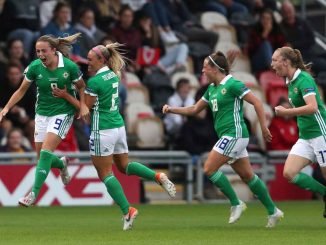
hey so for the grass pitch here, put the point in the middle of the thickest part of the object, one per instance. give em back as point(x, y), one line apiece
point(162, 224)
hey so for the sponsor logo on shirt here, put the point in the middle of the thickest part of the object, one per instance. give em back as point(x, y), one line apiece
point(244, 88)
point(307, 90)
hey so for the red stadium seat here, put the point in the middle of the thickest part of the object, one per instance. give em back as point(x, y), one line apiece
point(273, 86)
point(268, 77)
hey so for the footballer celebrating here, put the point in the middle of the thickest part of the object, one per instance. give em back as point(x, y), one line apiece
point(310, 111)
point(54, 116)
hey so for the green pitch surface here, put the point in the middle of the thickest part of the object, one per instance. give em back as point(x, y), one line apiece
point(162, 224)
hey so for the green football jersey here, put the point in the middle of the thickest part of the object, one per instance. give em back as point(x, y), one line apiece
point(66, 74)
point(105, 112)
point(302, 85)
point(225, 102)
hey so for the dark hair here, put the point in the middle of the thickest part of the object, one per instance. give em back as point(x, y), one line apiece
point(275, 26)
point(125, 7)
point(14, 64)
point(11, 41)
point(219, 61)
point(58, 7)
point(181, 82)
point(82, 11)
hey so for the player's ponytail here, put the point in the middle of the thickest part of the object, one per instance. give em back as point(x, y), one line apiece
point(116, 61)
point(61, 44)
point(64, 43)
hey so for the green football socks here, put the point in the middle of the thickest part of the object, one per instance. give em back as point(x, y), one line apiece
point(258, 187)
point(306, 182)
point(220, 180)
point(56, 162)
point(42, 170)
point(138, 169)
point(115, 190)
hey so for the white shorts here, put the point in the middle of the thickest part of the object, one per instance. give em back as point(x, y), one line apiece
point(107, 142)
point(235, 148)
point(313, 150)
point(59, 125)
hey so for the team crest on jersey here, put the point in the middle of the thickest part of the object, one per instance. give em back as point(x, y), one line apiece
point(39, 76)
point(65, 75)
point(223, 91)
point(295, 90)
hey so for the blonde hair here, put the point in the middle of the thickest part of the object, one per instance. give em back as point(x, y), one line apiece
point(113, 56)
point(61, 44)
point(294, 56)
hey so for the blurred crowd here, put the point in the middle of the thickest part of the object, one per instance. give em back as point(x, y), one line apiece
point(165, 42)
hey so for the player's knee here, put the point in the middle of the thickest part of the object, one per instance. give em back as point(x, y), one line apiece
point(246, 177)
point(208, 170)
point(121, 168)
point(288, 174)
point(103, 172)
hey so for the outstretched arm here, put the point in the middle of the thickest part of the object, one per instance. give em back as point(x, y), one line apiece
point(258, 105)
point(15, 98)
point(186, 111)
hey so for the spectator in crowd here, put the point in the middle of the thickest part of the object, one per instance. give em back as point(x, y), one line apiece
point(284, 130)
point(225, 7)
point(15, 142)
point(20, 20)
point(125, 32)
point(197, 135)
point(264, 39)
point(185, 23)
point(173, 57)
point(256, 6)
point(46, 11)
point(224, 97)
point(16, 53)
point(91, 35)
point(24, 110)
point(180, 98)
point(106, 12)
point(60, 26)
point(299, 34)
point(156, 11)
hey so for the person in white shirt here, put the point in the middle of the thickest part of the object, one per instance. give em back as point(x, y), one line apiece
point(181, 97)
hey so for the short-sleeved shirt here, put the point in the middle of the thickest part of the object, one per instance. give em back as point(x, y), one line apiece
point(66, 74)
point(225, 102)
point(302, 85)
point(105, 112)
